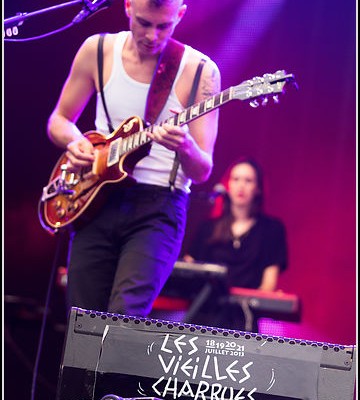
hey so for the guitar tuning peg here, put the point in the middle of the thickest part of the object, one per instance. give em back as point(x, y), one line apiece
point(276, 99)
point(295, 84)
point(279, 73)
point(268, 77)
point(264, 101)
point(254, 103)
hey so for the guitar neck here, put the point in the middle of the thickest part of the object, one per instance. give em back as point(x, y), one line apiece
point(251, 90)
point(199, 109)
point(122, 146)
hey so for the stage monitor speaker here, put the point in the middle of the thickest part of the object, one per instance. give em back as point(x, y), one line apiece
point(116, 355)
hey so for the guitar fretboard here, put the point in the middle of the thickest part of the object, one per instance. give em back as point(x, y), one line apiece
point(123, 146)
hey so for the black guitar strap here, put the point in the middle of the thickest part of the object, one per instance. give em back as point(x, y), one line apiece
point(195, 85)
point(101, 82)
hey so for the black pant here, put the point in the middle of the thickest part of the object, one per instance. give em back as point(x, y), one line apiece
point(120, 261)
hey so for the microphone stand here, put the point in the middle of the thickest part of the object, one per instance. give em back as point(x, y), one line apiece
point(10, 24)
point(21, 17)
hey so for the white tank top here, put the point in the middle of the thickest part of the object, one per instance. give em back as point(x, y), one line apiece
point(126, 97)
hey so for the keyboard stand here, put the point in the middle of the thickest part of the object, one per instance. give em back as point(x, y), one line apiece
point(198, 302)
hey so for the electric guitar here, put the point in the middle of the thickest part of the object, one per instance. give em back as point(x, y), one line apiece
point(71, 197)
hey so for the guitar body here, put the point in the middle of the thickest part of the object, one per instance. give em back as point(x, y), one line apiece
point(68, 198)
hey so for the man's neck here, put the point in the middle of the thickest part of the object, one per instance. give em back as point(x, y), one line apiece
point(138, 66)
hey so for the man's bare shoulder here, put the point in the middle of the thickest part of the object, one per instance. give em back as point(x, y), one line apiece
point(86, 57)
point(195, 56)
point(91, 42)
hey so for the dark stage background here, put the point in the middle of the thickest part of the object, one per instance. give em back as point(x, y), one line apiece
point(306, 145)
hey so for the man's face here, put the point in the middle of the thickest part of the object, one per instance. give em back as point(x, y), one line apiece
point(152, 26)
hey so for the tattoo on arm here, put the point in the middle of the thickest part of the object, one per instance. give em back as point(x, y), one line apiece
point(209, 84)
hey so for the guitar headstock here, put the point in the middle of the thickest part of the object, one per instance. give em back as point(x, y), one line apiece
point(258, 89)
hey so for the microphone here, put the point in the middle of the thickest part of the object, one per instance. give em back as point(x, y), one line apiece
point(91, 7)
point(218, 190)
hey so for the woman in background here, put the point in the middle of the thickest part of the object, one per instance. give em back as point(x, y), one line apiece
point(241, 236)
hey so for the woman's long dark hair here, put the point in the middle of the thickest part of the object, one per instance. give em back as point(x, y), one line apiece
point(223, 214)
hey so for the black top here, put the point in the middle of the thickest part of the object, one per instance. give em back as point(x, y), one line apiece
point(246, 258)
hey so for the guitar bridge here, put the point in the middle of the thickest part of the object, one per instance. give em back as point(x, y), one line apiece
point(55, 188)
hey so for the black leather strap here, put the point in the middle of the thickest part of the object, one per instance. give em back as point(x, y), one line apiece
point(101, 82)
point(195, 85)
point(196, 82)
